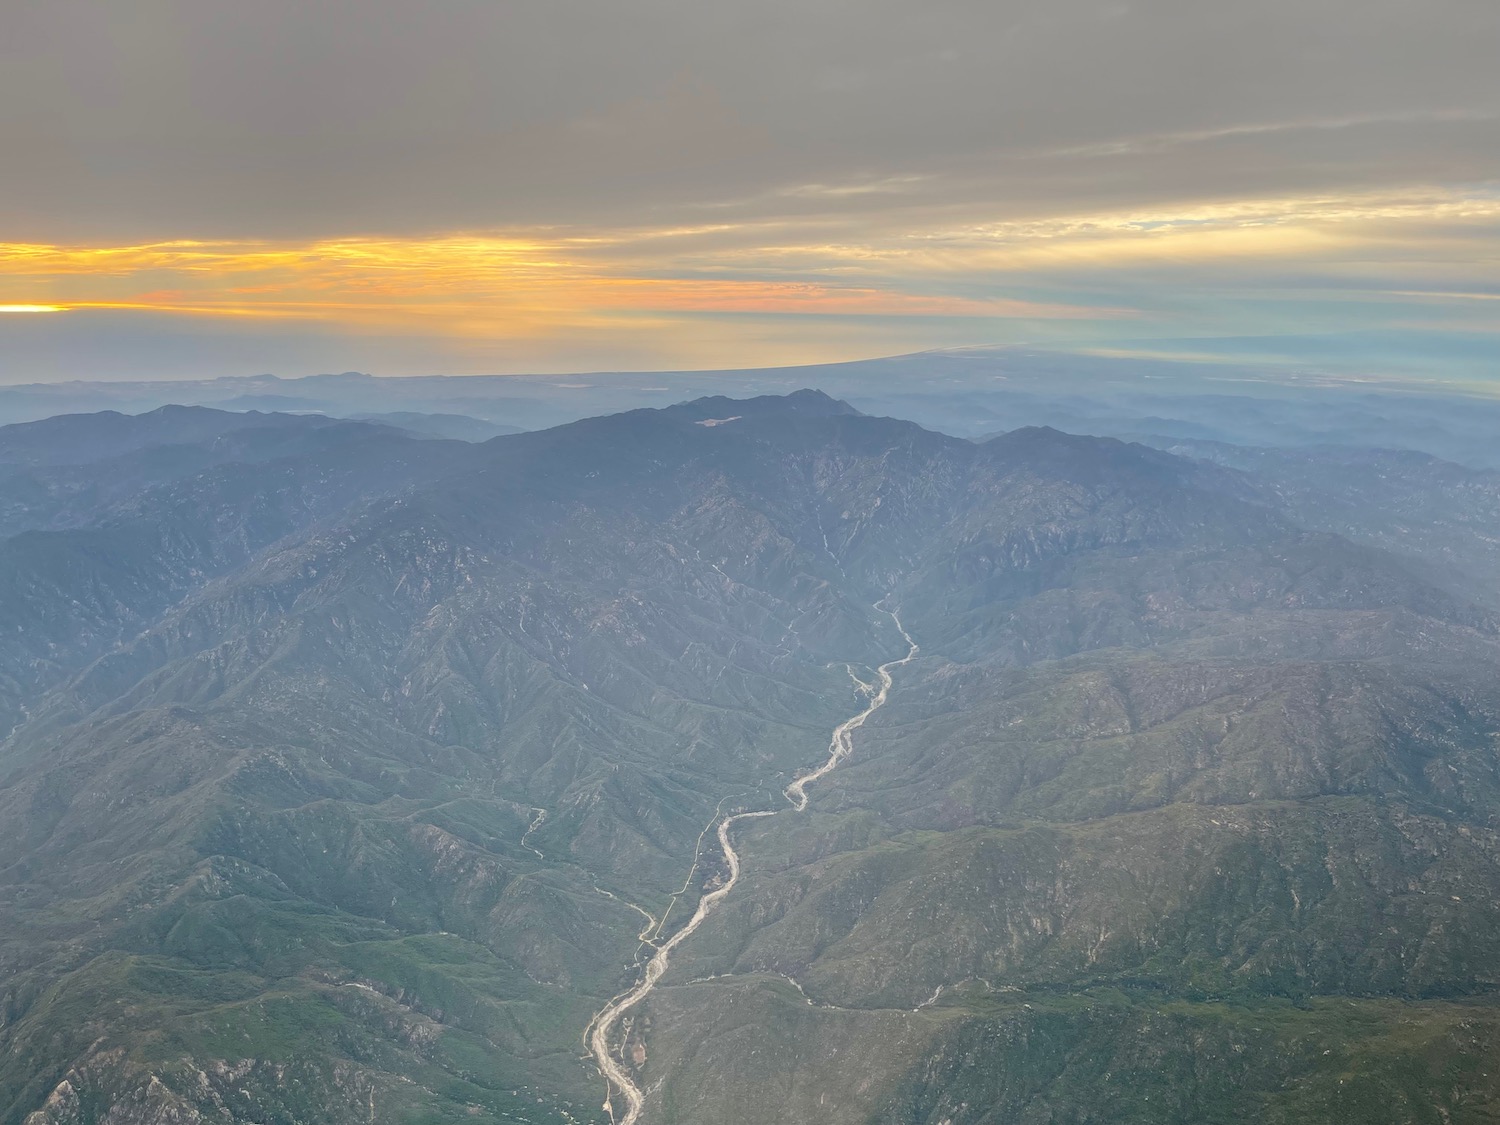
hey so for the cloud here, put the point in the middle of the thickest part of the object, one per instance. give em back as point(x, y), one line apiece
point(506, 183)
point(212, 119)
point(1282, 265)
point(501, 286)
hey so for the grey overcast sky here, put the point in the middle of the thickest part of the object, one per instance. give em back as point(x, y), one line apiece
point(489, 186)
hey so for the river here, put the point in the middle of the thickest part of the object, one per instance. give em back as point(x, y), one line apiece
point(840, 746)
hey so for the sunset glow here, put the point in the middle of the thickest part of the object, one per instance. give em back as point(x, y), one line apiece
point(1078, 269)
point(474, 195)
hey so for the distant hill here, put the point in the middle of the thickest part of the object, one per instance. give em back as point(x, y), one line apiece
point(968, 392)
point(458, 427)
point(79, 439)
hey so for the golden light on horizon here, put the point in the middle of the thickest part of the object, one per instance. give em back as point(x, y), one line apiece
point(547, 284)
point(473, 285)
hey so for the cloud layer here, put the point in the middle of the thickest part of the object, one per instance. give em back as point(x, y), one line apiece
point(519, 184)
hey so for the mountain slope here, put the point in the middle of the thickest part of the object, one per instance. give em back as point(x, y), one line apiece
point(361, 780)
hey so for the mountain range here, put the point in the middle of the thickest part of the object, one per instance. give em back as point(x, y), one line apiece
point(969, 392)
point(348, 771)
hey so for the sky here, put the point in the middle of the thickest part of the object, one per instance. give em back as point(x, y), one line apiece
point(197, 187)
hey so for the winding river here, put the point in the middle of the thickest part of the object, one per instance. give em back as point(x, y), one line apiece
point(840, 746)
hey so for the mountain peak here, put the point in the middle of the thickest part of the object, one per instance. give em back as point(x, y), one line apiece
point(806, 402)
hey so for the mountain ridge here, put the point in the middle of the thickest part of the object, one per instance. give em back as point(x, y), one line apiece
point(373, 810)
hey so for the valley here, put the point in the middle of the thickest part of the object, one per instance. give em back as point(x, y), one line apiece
point(841, 745)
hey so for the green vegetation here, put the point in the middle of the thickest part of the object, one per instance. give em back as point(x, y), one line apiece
point(347, 766)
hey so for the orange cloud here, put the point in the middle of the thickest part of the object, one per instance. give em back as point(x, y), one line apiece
point(691, 296)
point(540, 284)
point(471, 283)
